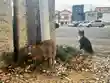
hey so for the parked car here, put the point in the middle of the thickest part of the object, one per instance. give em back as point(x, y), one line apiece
point(83, 24)
point(96, 23)
point(70, 25)
point(76, 23)
point(73, 24)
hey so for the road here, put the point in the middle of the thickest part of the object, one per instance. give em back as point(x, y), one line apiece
point(99, 37)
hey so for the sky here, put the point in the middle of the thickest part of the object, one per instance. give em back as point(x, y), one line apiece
point(67, 4)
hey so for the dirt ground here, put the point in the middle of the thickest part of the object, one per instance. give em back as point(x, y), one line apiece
point(99, 73)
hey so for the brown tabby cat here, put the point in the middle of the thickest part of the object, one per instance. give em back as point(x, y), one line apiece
point(44, 51)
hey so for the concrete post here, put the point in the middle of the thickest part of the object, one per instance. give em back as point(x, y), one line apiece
point(44, 19)
point(52, 18)
point(33, 21)
point(40, 20)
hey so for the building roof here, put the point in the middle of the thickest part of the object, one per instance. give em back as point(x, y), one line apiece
point(102, 7)
point(65, 10)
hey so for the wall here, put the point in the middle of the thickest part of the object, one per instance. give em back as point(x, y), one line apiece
point(6, 29)
point(5, 26)
point(90, 16)
point(106, 17)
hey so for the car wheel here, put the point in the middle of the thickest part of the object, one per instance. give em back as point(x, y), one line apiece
point(89, 26)
point(102, 25)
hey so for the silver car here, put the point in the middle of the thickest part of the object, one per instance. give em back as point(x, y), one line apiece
point(97, 23)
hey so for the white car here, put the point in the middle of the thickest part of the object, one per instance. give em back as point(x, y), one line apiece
point(83, 24)
point(70, 25)
point(97, 23)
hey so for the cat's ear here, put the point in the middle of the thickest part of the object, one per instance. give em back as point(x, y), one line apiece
point(82, 31)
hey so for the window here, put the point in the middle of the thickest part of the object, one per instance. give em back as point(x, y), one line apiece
point(80, 14)
point(79, 9)
point(76, 9)
point(66, 17)
point(5, 1)
point(98, 21)
point(62, 17)
point(91, 14)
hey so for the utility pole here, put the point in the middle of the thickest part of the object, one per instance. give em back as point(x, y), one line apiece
point(15, 30)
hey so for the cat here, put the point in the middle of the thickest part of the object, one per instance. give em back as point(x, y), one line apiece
point(85, 43)
point(43, 51)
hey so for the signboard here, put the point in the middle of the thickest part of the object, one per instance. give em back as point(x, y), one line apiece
point(102, 9)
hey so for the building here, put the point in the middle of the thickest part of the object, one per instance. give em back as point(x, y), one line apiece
point(105, 17)
point(92, 15)
point(65, 16)
point(105, 13)
point(102, 9)
point(78, 13)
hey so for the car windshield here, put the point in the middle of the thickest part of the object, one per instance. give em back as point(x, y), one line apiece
point(86, 22)
point(98, 21)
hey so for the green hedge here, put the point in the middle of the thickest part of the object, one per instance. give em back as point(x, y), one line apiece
point(65, 52)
